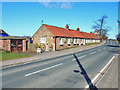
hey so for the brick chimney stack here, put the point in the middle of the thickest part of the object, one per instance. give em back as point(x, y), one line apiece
point(90, 31)
point(67, 27)
point(78, 29)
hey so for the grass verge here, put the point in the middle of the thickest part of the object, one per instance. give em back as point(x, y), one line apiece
point(10, 55)
point(91, 43)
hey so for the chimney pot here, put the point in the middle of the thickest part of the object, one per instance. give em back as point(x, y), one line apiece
point(78, 29)
point(67, 27)
point(91, 32)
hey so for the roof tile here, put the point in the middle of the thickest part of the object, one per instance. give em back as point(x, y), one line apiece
point(58, 31)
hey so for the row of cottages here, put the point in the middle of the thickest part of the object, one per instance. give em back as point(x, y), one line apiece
point(62, 38)
point(13, 43)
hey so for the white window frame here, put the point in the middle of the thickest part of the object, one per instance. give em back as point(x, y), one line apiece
point(61, 41)
point(83, 41)
point(69, 41)
point(74, 41)
point(43, 40)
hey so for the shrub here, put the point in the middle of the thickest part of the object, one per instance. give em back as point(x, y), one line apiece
point(38, 46)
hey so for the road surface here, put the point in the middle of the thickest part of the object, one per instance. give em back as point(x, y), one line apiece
point(59, 72)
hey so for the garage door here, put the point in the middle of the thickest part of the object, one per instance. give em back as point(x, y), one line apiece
point(16, 45)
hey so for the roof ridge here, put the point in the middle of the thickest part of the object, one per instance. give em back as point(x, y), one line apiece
point(53, 26)
point(58, 27)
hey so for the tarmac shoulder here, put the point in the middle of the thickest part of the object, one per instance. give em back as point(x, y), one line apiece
point(110, 78)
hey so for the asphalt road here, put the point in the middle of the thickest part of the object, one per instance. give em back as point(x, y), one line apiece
point(59, 72)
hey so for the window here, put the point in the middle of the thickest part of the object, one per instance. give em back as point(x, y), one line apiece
point(77, 41)
point(43, 39)
point(74, 41)
point(19, 42)
point(61, 43)
point(13, 42)
point(69, 41)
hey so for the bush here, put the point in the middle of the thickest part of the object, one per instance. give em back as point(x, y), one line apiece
point(38, 46)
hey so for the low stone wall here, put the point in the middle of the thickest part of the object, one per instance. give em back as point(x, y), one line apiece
point(32, 48)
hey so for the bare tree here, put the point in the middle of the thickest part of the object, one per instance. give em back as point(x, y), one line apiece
point(101, 28)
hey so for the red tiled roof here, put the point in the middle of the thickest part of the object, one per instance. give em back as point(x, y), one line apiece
point(58, 31)
point(76, 34)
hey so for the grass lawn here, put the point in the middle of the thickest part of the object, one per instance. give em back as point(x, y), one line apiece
point(11, 55)
point(91, 43)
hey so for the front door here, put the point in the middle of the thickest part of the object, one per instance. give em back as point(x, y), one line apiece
point(16, 45)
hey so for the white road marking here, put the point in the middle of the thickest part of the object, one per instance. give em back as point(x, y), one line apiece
point(93, 52)
point(100, 50)
point(43, 69)
point(73, 59)
point(104, 48)
point(79, 57)
point(100, 72)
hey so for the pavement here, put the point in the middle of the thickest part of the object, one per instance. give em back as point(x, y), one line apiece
point(46, 55)
point(59, 72)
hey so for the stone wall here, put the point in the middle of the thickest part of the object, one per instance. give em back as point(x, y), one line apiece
point(44, 32)
point(32, 48)
point(65, 44)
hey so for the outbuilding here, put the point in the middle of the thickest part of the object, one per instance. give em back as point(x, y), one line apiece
point(13, 43)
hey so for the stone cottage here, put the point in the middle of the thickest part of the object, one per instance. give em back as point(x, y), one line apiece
point(59, 38)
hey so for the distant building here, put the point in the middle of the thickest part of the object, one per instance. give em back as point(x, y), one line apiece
point(3, 33)
point(62, 38)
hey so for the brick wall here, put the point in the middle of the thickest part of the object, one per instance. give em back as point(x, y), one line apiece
point(9, 45)
point(5, 44)
point(1, 44)
point(24, 45)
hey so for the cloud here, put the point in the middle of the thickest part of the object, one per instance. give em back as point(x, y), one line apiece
point(49, 4)
point(67, 5)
